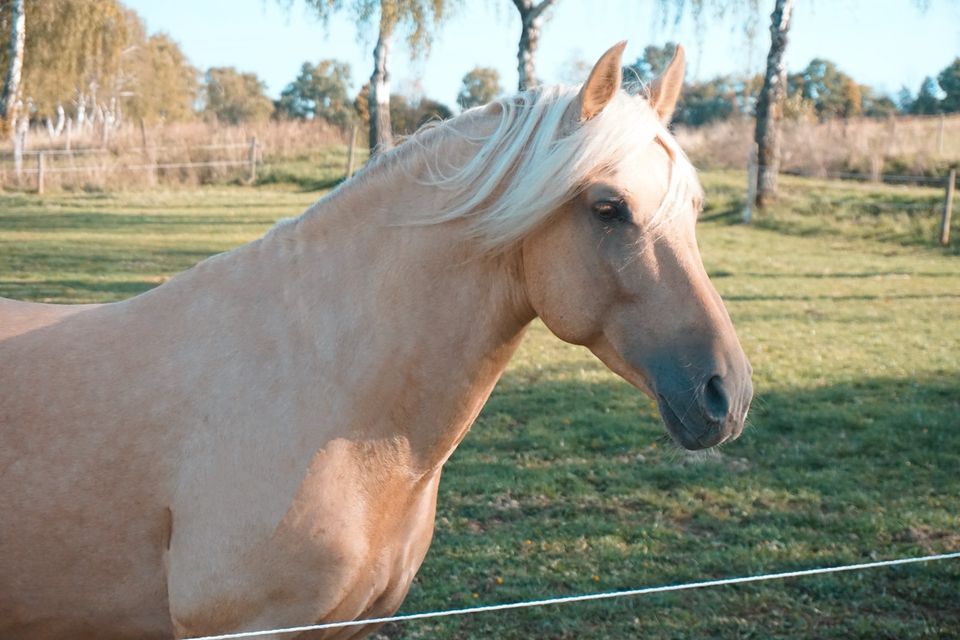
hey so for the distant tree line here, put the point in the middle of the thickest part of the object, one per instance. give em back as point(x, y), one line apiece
point(105, 69)
point(818, 92)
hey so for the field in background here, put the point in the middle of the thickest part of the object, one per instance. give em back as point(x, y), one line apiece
point(567, 483)
point(918, 149)
point(180, 154)
point(923, 146)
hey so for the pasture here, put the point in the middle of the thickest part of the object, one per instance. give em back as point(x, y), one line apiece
point(568, 484)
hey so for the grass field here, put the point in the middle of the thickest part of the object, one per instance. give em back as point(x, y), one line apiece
point(567, 483)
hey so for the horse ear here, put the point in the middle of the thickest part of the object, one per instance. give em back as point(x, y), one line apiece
point(665, 90)
point(603, 83)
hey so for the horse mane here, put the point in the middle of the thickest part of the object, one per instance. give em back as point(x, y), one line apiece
point(533, 162)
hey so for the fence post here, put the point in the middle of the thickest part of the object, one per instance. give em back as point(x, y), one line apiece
point(351, 157)
point(752, 176)
point(66, 144)
point(40, 173)
point(947, 208)
point(253, 159)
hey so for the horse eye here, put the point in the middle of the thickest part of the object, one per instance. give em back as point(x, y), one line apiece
point(609, 209)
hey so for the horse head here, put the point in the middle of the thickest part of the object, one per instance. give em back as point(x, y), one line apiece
point(616, 266)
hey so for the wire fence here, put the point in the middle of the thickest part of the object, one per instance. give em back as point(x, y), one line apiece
point(39, 169)
point(131, 166)
point(609, 595)
point(915, 202)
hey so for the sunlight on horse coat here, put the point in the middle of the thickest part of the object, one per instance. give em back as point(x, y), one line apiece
point(258, 442)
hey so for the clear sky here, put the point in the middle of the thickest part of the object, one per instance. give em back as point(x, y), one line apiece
point(883, 43)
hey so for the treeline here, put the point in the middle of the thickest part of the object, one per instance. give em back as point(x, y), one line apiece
point(819, 92)
point(92, 62)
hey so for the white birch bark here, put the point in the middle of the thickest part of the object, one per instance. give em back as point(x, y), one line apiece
point(381, 133)
point(9, 100)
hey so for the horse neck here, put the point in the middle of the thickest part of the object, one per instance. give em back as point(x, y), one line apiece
point(416, 331)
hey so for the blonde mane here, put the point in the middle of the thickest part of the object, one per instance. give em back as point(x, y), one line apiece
point(533, 162)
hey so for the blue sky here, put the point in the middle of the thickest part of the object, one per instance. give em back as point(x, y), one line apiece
point(883, 43)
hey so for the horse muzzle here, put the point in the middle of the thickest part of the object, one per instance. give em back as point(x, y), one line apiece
point(705, 414)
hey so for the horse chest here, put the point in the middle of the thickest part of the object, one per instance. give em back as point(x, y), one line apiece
point(364, 548)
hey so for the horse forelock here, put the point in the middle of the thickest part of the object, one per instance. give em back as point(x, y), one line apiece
point(506, 167)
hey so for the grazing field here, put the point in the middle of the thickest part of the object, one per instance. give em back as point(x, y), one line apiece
point(913, 145)
point(568, 484)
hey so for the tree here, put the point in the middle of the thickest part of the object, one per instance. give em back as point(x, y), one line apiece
point(705, 102)
point(84, 65)
point(408, 116)
point(93, 59)
point(418, 17)
point(479, 86)
point(949, 80)
point(832, 93)
point(156, 79)
point(904, 99)
point(770, 105)
point(927, 102)
point(11, 84)
point(361, 105)
point(531, 21)
point(874, 105)
point(234, 97)
point(320, 91)
point(650, 65)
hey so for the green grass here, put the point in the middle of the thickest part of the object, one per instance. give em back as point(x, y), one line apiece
point(567, 483)
point(323, 168)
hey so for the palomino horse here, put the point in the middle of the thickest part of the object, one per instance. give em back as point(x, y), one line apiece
point(258, 442)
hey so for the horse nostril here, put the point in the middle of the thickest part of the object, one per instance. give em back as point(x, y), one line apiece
point(716, 404)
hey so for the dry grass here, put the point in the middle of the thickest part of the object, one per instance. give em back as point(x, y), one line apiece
point(900, 146)
point(127, 156)
point(184, 154)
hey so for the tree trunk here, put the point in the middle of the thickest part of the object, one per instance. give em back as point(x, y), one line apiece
point(770, 106)
point(381, 134)
point(530, 23)
point(11, 86)
point(529, 39)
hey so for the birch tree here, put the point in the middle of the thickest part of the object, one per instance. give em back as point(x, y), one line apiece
point(418, 18)
point(11, 84)
point(770, 105)
point(531, 21)
point(71, 51)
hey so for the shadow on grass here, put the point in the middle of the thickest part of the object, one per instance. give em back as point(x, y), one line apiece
point(564, 479)
point(40, 220)
point(304, 183)
point(904, 219)
point(865, 425)
point(84, 290)
point(842, 298)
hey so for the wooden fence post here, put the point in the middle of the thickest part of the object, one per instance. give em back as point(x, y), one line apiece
point(947, 208)
point(40, 172)
point(752, 176)
point(253, 159)
point(351, 154)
